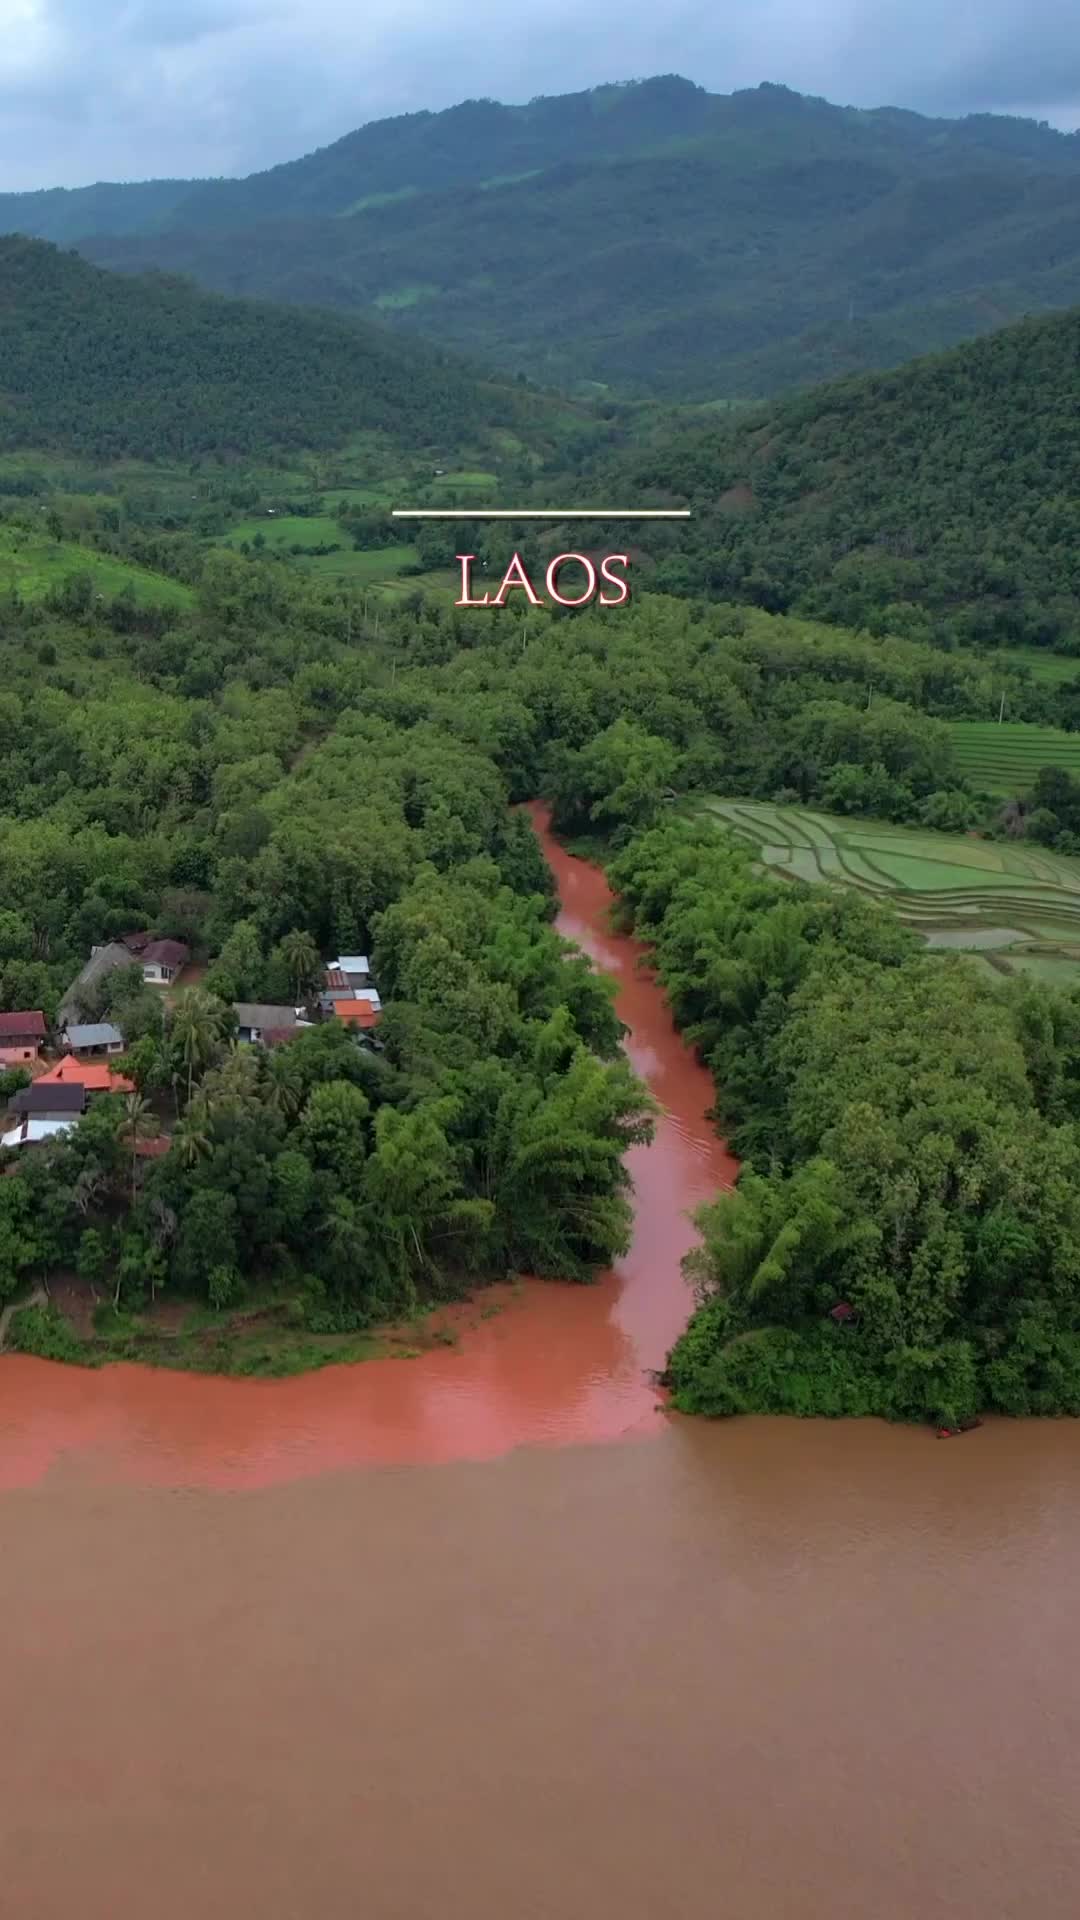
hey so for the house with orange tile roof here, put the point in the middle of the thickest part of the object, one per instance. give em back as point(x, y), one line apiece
point(357, 1013)
point(97, 1076)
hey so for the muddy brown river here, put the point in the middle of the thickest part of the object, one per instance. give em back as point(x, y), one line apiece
point(486, 1635)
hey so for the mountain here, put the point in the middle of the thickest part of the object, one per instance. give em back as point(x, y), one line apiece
point(939, 500)
point(115, 365)
point(651, 236)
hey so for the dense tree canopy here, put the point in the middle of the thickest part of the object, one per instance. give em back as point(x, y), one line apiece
point(939, 501)
point(912, 1154)
point(114, 366)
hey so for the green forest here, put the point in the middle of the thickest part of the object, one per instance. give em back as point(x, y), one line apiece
point(651, 238)
point(911, 1160)
point(939, 501)
point(150, 368)
point(239, 712)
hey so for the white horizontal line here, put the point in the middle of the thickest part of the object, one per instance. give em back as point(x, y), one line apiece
point(540, 513)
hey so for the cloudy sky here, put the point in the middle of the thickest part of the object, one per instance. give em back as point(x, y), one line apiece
point(132, 89)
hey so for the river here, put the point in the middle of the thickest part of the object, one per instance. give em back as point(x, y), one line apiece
point(489, 1634)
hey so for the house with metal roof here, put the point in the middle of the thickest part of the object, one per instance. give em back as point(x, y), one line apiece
point(255, 1022)
point(54, 1100)
point(30, 1132)
point(21, 1035)
point(355, 966)
point(94, 1040)
point(162, 961)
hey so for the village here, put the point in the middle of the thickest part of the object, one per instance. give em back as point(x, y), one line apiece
point(58, 1072)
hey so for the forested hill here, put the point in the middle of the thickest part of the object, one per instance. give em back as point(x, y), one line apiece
point(653, 237)
point(943, 498)
point(113, 365)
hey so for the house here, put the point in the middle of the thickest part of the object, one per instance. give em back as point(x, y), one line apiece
point(357, 1013)
point(82, 993)
point(334, 997)
point(255, 1023)
point(93, 1041)
point(94, 1076)
point(354, 968)
point(29, 1132)
point(162, 961)
point(56, 1101)
point(21, 1035)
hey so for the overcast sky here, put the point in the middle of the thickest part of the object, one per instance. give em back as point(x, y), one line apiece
point(133, 89)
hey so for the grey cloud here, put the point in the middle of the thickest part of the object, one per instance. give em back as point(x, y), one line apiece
point(125, 89)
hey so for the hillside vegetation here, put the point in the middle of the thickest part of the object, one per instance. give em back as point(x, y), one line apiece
point(99, 363)
point(940, 500)
point(651, 236)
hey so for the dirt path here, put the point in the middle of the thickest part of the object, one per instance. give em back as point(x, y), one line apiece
point(38, 1298)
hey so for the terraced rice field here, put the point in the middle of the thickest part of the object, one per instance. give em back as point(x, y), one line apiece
point(1014, 903)
point(1005, 759)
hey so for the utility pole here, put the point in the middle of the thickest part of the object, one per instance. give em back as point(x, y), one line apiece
point(1001, 709)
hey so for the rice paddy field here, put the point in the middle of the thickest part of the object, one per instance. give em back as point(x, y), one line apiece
point(1004, 759)
point(1017, 908)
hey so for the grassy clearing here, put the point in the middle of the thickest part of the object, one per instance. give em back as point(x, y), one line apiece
point(1053, 669)
point(1005, 759)
point(33, 566)
point(1017, 905)
point(286, 530)
point(367, 567)
point(469, 480)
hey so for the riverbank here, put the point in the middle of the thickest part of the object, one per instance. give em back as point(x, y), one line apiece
point(560, 1365)
point(266, 1340)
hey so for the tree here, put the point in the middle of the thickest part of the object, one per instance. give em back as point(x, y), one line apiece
point(301, 957)
point(138, 1122)
point(191, 1137)
point(197, 1025)
point(92, 1257)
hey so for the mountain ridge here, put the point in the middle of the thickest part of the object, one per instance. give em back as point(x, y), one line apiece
point(650, 236)
point(113, 365)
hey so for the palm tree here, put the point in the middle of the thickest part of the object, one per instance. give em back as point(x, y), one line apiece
point(284, 1086)
point(191, 1137)
point(196, 1024)
point(138, 1121)
point(234, 1085)
point(301, 957)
